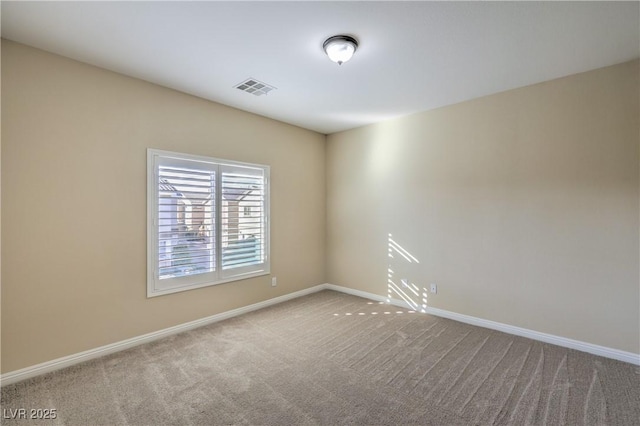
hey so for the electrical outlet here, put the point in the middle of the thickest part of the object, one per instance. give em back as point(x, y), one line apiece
point(434, 288)
point(274, 281)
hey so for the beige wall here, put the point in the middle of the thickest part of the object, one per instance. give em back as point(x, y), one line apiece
point(74, 140)
point(522, 207)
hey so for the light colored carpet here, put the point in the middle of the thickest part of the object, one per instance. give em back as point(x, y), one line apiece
point(330, 359)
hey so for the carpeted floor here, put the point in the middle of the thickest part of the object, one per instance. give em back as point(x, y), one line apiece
point(331, 359)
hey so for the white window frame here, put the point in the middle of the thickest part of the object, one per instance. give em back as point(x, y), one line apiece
point(157, 287)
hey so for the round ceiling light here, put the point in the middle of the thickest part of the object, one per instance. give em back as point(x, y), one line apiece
point(340, 48)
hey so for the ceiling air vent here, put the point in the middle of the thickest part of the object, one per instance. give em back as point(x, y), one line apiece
point(254, 87)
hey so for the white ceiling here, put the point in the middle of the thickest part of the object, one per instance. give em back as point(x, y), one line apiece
point(413, 56)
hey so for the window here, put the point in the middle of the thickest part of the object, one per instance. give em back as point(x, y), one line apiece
point(198, 232)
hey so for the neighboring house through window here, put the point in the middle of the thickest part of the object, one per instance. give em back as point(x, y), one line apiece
point(196, 233)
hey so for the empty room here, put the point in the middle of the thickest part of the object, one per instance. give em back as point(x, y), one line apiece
point(320, 213)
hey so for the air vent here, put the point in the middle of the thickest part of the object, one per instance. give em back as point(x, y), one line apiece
point(254, 87)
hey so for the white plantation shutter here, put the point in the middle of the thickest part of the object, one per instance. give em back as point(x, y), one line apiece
point(243, 235)
point(186, 225)
point(208, 221)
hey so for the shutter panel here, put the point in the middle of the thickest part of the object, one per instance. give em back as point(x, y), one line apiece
point(243, 216)
point(186, 225)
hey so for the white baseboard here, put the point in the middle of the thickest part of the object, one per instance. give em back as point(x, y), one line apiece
point(604, 351)
point(67, 361)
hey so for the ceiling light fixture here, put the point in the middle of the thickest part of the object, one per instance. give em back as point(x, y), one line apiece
point(340, 48)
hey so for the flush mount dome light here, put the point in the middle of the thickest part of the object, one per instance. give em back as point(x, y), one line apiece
point(340, 48)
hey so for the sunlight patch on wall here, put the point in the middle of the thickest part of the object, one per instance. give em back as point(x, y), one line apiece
point(399, 283)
